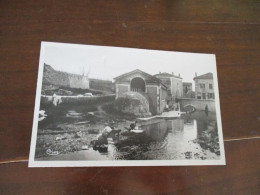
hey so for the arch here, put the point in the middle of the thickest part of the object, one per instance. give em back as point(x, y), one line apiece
point(137, 84)
point(189, 108)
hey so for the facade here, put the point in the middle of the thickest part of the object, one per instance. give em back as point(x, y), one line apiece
point(102, 85)
point(173, 83)
point(64, 79)
point(145, 84)
point(187, 90)
point(204, 86)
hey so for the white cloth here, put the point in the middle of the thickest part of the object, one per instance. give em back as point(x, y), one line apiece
point(56, 99)
point(107, 129)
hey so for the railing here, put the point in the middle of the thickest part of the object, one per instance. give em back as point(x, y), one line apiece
point(137, 90)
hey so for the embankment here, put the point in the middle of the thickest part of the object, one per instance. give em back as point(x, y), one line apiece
point(47, 100)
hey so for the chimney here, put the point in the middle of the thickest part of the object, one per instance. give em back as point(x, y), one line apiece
point(195, 74)
point(159, 72)
point(179, 75)
point(172, 73)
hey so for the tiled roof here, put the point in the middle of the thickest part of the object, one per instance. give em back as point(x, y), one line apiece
point(205, 76)
point(142, 72)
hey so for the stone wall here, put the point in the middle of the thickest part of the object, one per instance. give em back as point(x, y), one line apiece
point(163, 100)
point(48, 100)
point(64, 79)
point(102, 85)
point(176, 87)
point(152, 93)
point(121, 89)
point(198, 104)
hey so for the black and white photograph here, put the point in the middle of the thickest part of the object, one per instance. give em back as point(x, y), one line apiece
point(115, 106)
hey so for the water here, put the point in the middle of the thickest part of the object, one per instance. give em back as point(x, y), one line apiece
point(161, 140)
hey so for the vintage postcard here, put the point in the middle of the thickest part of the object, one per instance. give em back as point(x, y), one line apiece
point(115, 106)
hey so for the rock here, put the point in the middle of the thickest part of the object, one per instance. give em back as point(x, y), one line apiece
point(82, 123)
point(88, 94)
point(50, 152)
point(188, 155)
point(60, 138)
point(84, 147)
point(73, 114)
point(93, 131)
point(196, 155)
point(78, 134)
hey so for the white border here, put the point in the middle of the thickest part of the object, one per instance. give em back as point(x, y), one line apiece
point(106, 163)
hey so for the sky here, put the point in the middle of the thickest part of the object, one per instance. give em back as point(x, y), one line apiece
point(103, 62)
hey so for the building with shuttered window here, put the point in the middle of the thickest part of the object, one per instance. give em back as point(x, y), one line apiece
point(204, 86)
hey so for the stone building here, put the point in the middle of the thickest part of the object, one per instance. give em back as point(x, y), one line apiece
point(173, 83)
point(187, 90)
point(64, 79)
point(204, 86)
point(102, 85)
point(146, 85)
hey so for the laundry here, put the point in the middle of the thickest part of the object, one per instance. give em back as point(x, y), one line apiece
point(56, 99)
point(42, 115)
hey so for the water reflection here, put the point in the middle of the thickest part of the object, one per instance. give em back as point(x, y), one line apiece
point(156, 130)
point(161, 140)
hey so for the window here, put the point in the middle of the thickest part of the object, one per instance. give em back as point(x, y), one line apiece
point(210, 86)
point(186, 89)
point(202, 86)
point(204, 96)
point(166, 81)
point(199, 95)
point(211, 96)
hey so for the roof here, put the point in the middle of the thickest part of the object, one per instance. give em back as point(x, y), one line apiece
point(165, 74)
point(204, 76)
point(186, 83)
point(142, 72)
point(100, 80)
point(134, 71)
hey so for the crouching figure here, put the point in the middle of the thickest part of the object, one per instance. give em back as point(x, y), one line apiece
point(101, 143)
